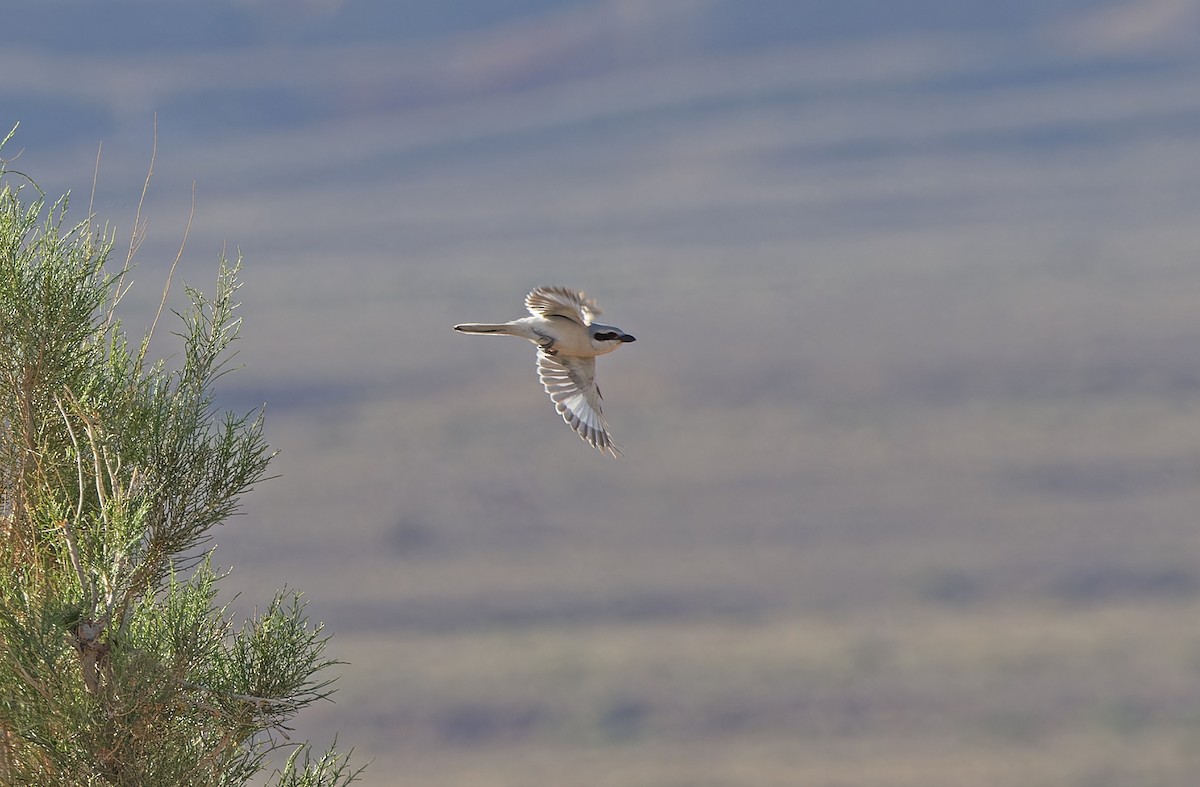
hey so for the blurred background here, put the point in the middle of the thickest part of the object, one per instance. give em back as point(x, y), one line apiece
point(911, 431)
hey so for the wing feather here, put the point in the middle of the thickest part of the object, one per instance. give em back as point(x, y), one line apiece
point(571, 383)
point(562, 302)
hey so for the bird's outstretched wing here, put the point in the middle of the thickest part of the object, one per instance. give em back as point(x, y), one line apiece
point(571, 383)
point(562, 302)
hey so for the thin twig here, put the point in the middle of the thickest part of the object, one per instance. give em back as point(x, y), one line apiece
point(72, 548)
point(170, 274)
point(95, 179)
point(31, 681)
point(138, 234)
point(97, 452)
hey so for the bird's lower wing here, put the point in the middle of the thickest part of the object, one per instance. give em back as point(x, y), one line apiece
point(571, 383)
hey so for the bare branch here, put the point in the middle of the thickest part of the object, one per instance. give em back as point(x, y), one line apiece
point(68, 529)
point(139, 225)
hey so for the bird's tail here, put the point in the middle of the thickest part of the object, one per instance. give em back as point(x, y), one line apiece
point(483, 327)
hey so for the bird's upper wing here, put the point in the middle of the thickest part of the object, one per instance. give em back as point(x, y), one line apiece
point(562, 302)
point(571, 383)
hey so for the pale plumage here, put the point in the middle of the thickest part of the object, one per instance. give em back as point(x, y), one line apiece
point(561, 302)
point(562, 324)
point(571, 383)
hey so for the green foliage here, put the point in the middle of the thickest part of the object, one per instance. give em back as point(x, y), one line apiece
point(117, 666)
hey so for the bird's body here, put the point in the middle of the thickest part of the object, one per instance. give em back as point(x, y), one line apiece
point(561, 324)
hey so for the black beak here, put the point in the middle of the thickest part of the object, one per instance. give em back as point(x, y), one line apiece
point(627, 338)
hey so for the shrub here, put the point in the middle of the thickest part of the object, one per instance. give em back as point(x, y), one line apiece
point(117, 665)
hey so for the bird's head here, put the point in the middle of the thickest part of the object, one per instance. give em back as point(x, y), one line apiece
point(606, 338)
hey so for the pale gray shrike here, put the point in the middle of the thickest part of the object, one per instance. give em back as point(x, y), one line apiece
point(568, 340)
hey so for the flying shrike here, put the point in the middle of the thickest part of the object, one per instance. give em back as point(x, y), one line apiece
point(568, 342)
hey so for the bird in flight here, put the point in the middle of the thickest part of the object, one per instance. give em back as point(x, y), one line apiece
point(562, 325)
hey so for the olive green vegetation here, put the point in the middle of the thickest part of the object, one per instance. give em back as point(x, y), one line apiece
point(118, 665)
